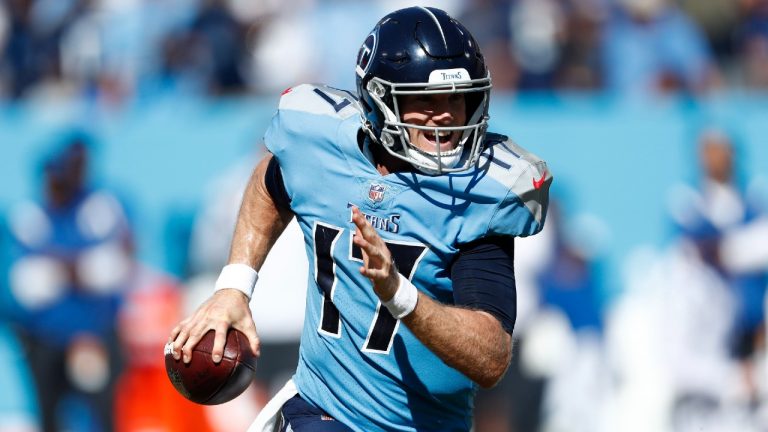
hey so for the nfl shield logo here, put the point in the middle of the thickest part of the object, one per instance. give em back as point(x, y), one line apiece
point(376, 193)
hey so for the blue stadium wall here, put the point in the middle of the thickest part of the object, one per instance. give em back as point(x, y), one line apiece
point(613, 159)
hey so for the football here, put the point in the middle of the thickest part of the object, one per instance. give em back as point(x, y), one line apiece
point(205, 382)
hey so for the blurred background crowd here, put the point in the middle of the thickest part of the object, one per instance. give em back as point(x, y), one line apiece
point(128, 129)
point(114, 51)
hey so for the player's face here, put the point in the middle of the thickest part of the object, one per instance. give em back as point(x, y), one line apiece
point(434, 110)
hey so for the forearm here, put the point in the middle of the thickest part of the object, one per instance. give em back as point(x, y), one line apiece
point(259, 223)
point(472, 342)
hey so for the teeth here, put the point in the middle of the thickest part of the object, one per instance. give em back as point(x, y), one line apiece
point(441, 134)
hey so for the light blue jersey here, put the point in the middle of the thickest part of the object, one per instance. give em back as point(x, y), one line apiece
point(356, 361)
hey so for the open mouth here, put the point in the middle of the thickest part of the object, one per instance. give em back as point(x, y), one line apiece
point(446, 145)
point(443, 138)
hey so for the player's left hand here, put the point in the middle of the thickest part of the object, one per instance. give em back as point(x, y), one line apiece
point(377, 260)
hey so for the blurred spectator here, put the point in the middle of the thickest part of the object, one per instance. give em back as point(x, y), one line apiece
point(106, 50)
point(668, 342)
point(216, 46)
point(110, 51)
point(72, 259)
point(32, 51)
point(718, 20)
point(717, 207)
point(564, 345)
point(114, 51)
point(538, 45)
point(670, 335)
point(744, 250)
point(752, 42)
point(571, 282)
point(684, 340)
point(538, 30)
point(272, 69)
point(19, 67)
point(651, 47)
point(312, 44)
point(703, 363)
point(579, 67)
point(488, 21)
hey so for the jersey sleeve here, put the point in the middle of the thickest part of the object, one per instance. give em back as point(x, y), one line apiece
point(303, 133)
point(279, 139)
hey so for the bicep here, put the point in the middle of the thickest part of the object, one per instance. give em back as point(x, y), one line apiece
point(483, 278)
point(260, 220)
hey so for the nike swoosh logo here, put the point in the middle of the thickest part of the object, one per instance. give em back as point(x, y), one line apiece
point(537, 183)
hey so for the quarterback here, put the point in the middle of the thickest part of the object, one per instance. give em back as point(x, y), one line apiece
point(409, 210)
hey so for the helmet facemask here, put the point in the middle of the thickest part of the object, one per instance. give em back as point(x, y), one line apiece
point(395, 137)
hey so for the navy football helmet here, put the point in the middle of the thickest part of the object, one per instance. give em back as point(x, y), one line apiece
point(421, 50)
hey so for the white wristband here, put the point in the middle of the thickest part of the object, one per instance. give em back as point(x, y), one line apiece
point(405, 299)
point(241, 277)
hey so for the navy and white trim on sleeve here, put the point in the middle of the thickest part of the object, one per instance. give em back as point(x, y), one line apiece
point(273, 180)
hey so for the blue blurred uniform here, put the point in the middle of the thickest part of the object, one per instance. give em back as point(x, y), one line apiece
point(356, 362)
point(76, 310)
point(72, 262)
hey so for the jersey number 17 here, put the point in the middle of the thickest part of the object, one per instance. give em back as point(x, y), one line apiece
point(384, 326)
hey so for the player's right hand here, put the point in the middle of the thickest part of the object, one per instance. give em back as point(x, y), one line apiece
point(224, 309)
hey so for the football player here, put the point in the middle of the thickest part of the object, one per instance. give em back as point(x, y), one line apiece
point(409, 210)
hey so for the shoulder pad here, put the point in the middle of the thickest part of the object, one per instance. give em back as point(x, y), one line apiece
point(508, 161)
point(321, 100)
point(524, 174)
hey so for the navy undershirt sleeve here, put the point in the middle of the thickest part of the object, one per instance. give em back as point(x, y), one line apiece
point(483, 278)
point(273, 180)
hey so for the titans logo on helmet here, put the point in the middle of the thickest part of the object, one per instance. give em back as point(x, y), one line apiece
point(366, 53)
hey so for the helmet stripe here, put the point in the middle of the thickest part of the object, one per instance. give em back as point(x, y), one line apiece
point(439, 27)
